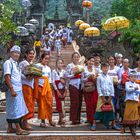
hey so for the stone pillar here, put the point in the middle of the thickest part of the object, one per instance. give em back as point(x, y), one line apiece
point(40, 18)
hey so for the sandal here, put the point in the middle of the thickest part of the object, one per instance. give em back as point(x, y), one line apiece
point(93, 128)
point(27, 127)
point(43, 125)
point(122, 130)
point(52, 124)
point(61, 122)
point(22, 132)
point(11, 131)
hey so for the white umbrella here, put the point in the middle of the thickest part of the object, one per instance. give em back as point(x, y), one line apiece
point(34, 21)
point(30, 27)
point(26, 3)
point(22, 31)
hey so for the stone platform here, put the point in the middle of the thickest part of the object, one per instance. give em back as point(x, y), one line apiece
point(77, 132)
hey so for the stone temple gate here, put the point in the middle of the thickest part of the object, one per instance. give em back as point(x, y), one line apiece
point(55, 10)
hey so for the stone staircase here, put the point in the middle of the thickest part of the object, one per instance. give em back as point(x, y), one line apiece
point(66, 55)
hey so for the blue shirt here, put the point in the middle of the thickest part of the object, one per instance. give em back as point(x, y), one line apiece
point(131, 93)
point(105, 85)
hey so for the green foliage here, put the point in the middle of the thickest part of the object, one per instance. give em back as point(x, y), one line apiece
point(127, 8)
point(7, 24)
point(131, 10)
point(102, 7)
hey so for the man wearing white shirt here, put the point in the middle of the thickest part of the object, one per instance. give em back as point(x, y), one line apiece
point(15, 104)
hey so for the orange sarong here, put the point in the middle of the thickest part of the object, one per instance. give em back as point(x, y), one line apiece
point(44, 99)
point(29, 100)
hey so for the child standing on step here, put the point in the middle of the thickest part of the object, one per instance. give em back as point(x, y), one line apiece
point(131, 116)
point(59, 86)
point(105, 108)
point(58, 46)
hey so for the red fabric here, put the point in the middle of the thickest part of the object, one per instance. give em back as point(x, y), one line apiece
point(57, 99)
point(64, 40)
point(77, 76)
point(91, 103)
point(106, 107)
point(125, 77)
point(75, 104)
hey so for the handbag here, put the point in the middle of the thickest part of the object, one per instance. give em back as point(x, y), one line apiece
point(106, 107)
point(3, 85)
point(89, 87)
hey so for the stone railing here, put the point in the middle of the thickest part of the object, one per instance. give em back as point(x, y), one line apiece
point(76, 49)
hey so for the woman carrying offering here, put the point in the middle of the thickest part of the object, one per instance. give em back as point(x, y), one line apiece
point(90, 94)
point(43, 91)
point(73, 74)
point(27, 87)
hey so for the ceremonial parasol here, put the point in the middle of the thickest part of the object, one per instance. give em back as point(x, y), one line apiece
point(92, 31)
point(30, 27)
point(84, 26)
point(78, 22)
point(115, 23)
point(34, 21)
point(22, 31)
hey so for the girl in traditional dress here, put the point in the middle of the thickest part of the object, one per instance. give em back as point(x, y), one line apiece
point(131, 116)
point(27, 87)
point(74, 76)
point(59, 85)
point(138, 79)
point(112, 72)
point(105, 93)
point(89, 91)
point(43, 91)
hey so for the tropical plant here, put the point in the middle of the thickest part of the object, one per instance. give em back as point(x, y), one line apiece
point(6, 19)
point(131, 10)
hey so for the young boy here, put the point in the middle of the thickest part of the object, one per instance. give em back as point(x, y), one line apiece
point(105, 90)
point(131, 116)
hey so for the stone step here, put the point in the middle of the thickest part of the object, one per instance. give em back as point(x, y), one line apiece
point(70, 135)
